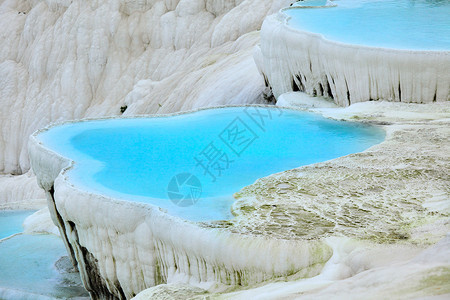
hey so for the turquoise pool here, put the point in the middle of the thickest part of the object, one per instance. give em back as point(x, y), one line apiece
point(397, 24)
point(34, 266)
point(311, 3)
point(191, 164)
point(11, 221)
point(37, 267)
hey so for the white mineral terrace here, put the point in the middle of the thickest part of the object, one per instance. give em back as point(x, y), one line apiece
point(287, 225)
point(123, 247)
point(292, 59)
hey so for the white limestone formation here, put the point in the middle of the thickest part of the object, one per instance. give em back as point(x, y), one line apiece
point(296, 60)
point(363, 271)
point(40, 222)
point(20, 191)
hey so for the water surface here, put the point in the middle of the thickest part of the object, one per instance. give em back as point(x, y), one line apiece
point(207, 155)
point(29, 269)
point(34, 266)
point(398, 24)
point(11, 221)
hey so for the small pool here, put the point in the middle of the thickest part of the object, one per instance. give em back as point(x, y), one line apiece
point(37, 267)
point(397, 24)
point(34, 266)
point(191, 164)
point(11, 221)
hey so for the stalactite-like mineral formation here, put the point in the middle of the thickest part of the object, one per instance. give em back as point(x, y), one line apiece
point(296, 60)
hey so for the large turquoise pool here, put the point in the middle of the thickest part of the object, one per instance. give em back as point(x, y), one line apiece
point(191, 164)
point(398, 24)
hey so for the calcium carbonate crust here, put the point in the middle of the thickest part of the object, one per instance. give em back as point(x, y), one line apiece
point(122, 248)
point(294, 60)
